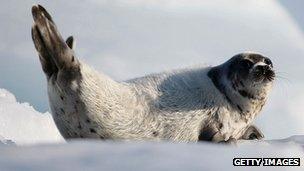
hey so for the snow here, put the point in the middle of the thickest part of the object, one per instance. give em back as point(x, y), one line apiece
point(144, 156)
point(4, 141)
point(22, 124)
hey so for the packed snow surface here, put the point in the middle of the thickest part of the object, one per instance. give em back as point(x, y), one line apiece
point(144, 156)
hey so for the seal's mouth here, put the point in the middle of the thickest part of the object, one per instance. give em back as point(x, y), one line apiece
point(263, 73)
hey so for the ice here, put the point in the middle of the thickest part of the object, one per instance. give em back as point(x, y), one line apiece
point(22, 124)
point(143, 156)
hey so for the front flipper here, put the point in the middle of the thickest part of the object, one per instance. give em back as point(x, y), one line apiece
point(252, 133)
point(207, 133)
point(55, 54)
point(211, 133)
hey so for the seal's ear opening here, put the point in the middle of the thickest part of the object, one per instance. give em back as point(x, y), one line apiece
point(70, 42)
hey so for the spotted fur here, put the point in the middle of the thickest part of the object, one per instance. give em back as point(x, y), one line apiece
point(201, 103)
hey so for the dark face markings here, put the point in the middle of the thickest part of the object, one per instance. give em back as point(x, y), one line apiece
point(214, 75)
point(239, 69)
point(238, 72)
point(240, 65)
point(246, 94)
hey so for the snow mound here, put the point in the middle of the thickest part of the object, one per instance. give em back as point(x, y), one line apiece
point(6, 96)
point(22, 124)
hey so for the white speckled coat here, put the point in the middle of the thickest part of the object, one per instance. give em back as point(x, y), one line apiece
point(180, 105)
point(174, 105)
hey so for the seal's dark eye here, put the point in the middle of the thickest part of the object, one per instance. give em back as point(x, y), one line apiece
point(246, 64)
point(267, 61)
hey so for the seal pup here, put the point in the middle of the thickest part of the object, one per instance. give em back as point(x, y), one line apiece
point(204, 103)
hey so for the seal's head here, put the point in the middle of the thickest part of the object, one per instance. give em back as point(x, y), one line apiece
point(249, 70)
point(245, 76)
point(244, 81)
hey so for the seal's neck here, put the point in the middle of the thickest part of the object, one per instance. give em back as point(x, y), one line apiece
point(239, 97)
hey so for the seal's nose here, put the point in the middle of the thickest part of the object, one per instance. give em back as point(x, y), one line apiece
point(262, 69)
point(265, 72)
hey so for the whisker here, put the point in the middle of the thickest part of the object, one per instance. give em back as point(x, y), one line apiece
point(283, 82)
point(283, 78)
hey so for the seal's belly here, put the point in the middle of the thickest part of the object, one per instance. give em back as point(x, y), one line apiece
point(73, 124)
point(70, 117)
point(75, 121)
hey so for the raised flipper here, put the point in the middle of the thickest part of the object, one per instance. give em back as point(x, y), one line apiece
point(55, 54)
point(252, 133)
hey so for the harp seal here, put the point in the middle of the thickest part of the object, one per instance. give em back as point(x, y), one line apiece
point(202, 103)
